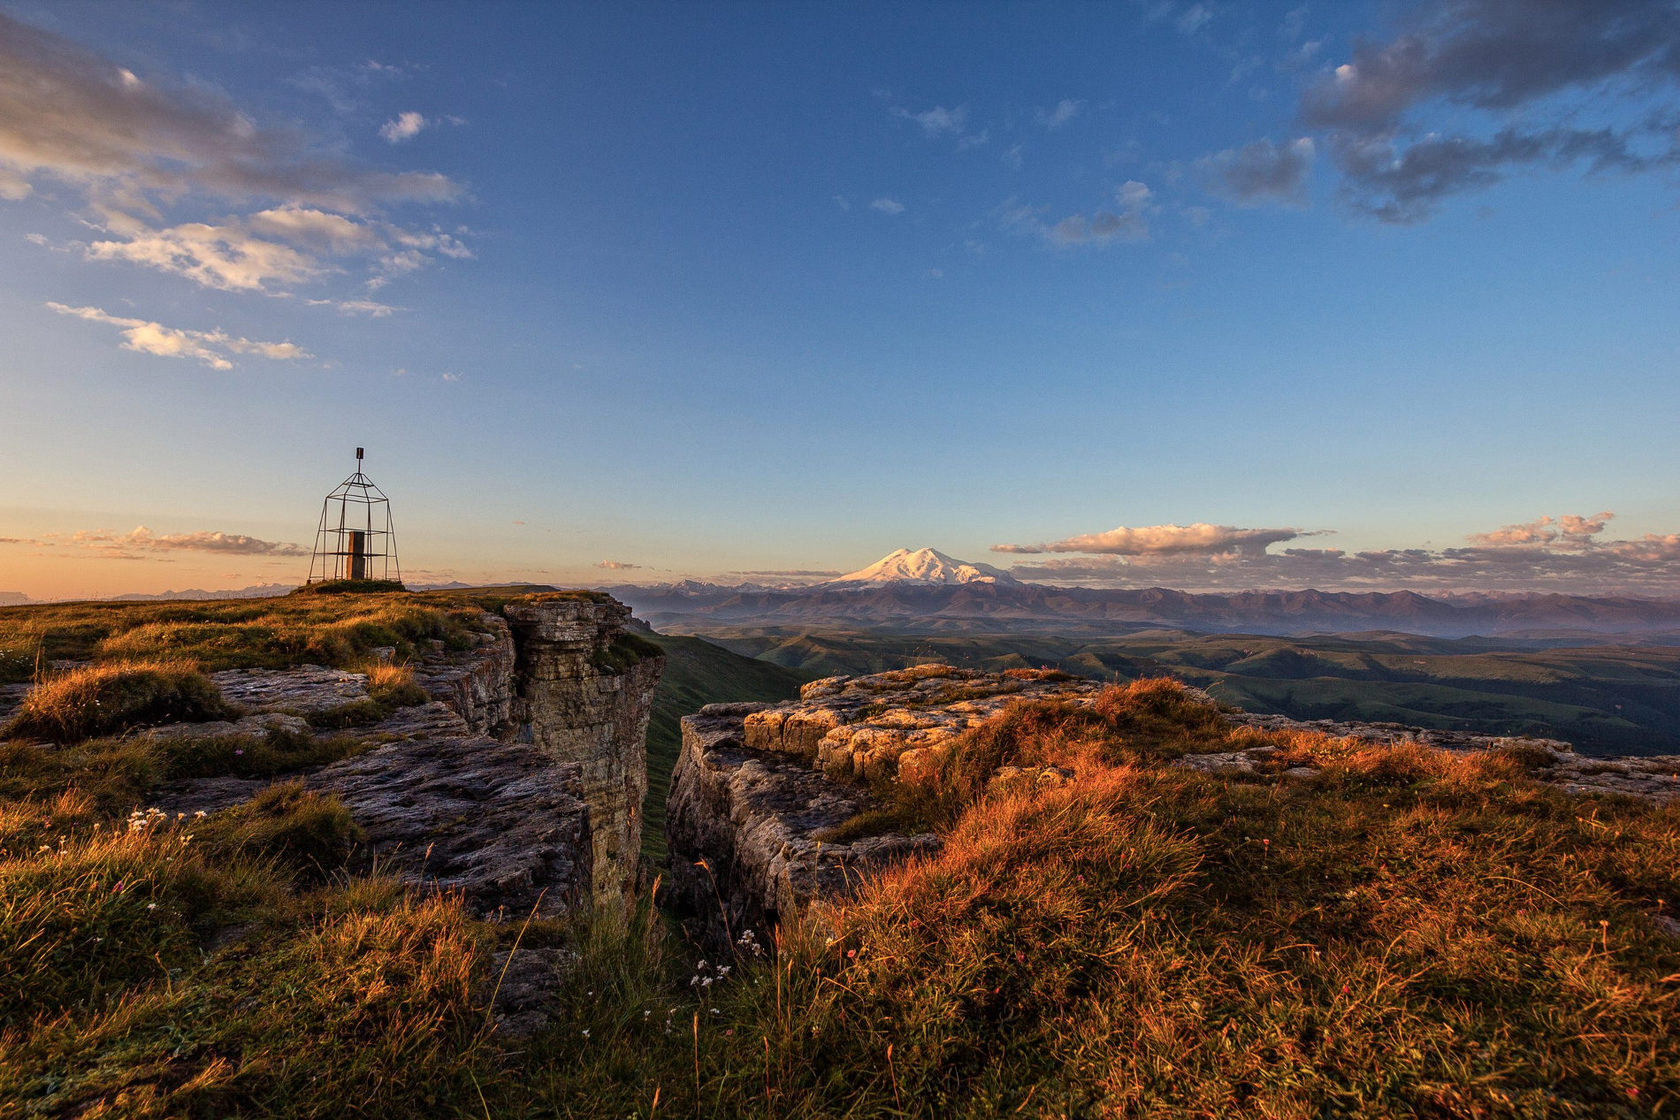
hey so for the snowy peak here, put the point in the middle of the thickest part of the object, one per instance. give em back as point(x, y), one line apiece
point(924, 565)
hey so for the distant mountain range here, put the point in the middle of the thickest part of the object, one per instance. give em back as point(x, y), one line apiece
point(928, 592)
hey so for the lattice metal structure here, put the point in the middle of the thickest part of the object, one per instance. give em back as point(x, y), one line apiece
point(356, 539)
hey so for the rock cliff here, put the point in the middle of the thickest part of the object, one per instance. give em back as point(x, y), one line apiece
point(584, 695)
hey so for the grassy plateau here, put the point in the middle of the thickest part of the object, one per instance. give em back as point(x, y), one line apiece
point(1402, 933)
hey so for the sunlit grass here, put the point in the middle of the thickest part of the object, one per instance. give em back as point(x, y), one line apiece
point(1405, 932)
point(114, 696)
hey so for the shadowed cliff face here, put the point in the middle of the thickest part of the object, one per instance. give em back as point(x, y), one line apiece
point(584, 694)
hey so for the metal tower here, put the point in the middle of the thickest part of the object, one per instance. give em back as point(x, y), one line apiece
point(356, 539)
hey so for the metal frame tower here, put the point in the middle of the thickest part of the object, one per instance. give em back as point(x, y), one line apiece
point(356, 539)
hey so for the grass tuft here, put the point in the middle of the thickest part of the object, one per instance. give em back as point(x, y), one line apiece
point(113, 697)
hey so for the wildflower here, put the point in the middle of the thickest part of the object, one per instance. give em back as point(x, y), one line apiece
point(586, 1032)
point(118, 888)
point(151, 906)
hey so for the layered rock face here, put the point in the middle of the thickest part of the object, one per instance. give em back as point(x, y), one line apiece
point(584, 695)
point(757, 787)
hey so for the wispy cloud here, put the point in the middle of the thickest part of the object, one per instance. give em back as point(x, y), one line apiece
point(71, 115)
point(1127, 221)
point(1065, 110)
point(1261, 172)
point(141, 149)
point(942, 123)
point(889, 206)
point(618, 566)
point(1531, 73)
point(210, 347)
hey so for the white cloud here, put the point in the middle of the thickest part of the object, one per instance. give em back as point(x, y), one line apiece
point(210, 347)
point(887, 206)
point(937, 121)
point(405, 126)
point(224, 257)
point(1066, 109)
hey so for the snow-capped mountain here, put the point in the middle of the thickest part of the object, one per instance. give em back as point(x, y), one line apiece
point(924, 565)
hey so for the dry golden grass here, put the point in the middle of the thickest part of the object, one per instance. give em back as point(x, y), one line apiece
point(1406, 933)
point(114, 696)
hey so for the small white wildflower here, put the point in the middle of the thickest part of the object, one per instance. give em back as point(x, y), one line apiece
point(151, 906)
point(586, 1032)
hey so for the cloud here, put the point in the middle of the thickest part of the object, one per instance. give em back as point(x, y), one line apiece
point(1535, 71)
point(210, 347)
point(1261, 172)
point(617, 566)
point(1128, 221)
point(1162, 539)
point(1568, 531)
point(1402, 183)
point(937, 121)
point(1193, 19)
point(405, 126)
point(142, 149)
point(224, 257)
point(71, 115)
point(277, 249)
point(940, 122)
point(371, 308)
point(1066, 109)
point(887, 206)
point(1562, 554)
point(141, 540)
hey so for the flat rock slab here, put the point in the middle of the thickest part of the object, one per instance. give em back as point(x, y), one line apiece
point(465, 812)
point(305, 690)
point(437, 803)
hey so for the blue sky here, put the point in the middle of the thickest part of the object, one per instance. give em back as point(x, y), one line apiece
point(1194, 294)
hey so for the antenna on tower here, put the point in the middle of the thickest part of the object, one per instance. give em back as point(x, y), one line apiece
point(356, 538)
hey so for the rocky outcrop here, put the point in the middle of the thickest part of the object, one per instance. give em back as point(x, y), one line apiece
point(744, 827)
point(758, 787)
point(517, 785)
point(584, 695)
